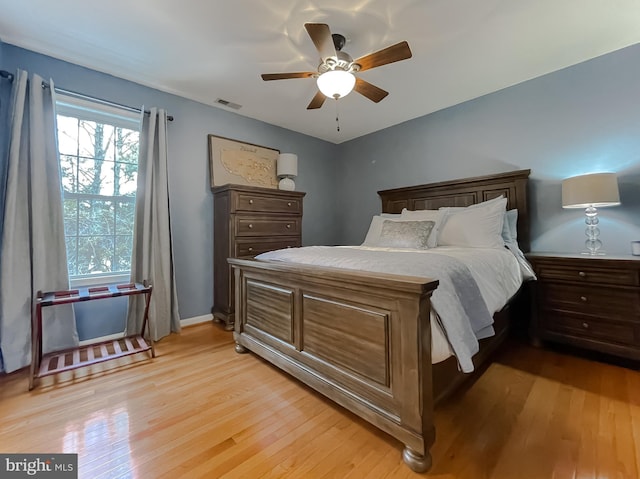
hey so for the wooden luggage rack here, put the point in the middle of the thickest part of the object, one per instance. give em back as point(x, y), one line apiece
point(60, 361)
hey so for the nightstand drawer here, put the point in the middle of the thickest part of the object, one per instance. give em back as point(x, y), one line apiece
point(262, 203)
point(252, 247)
point(263, 226)
point(589, 327)
point(598, 301)
point(586, 273)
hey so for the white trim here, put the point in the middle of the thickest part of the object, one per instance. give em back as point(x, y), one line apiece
point(183, 323)
point(101, 339)
point(100, 280)
point(87, 110)
point(196, 320)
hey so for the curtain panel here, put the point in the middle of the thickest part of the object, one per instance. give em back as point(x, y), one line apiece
point(152, 257)
point(33, 253)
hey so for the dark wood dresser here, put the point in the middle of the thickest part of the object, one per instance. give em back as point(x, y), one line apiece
point(248, 221)
point(588, 301)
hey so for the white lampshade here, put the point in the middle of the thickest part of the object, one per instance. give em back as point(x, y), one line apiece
point(287, 165)
point(595, 190)
point(336, 83)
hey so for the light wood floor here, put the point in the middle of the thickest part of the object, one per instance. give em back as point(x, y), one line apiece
point(199, 410)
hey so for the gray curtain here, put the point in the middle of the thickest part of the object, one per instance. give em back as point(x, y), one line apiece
point(5, 99)
point(33, 253)
point(152, 257)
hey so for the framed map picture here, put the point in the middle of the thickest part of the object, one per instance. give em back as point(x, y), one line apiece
point(232, 161)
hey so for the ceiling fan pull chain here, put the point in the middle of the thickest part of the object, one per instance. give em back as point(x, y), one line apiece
point(337, 119)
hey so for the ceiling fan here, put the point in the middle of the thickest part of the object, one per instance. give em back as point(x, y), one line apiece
point(335, 75)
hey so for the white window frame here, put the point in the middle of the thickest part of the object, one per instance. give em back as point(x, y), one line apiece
point(99, 112)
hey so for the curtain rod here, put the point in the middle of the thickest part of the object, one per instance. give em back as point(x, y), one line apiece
point(9, 76)
point(6, 74)
point(98, 100)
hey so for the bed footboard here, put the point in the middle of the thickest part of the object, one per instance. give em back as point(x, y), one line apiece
point(361, 339)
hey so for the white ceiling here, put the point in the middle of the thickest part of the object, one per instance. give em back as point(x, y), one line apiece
point(205, 50)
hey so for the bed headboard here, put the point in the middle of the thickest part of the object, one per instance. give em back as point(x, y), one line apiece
point(464, 192)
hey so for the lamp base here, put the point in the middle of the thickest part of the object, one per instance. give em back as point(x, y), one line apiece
point(286, 184)
point(592, 244)
point(593, 253)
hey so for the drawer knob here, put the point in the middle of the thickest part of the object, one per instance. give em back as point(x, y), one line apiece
point(288, 226)
point(585, 325)
point(250, 249)
point(583, 299)
point(582, 274)
point(250, 202)
point(289, 203)
point(250, 225)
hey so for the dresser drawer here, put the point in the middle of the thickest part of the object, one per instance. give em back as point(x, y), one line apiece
point(604, 302)
point(248, 247)
point(267, 226)
point(587, 273)
point(255, 202)
point(589, 327)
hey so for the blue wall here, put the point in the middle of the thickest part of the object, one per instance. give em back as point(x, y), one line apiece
point(578, 120)
point(191, 197)
point(582, 119)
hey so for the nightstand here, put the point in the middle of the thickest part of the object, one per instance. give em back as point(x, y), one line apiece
point(591, 302)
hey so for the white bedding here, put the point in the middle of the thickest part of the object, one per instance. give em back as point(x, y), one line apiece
point(496, 271)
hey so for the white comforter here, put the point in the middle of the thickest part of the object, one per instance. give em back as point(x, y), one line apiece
point(495, 271)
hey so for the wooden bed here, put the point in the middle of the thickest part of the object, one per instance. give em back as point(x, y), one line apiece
point(364, 339)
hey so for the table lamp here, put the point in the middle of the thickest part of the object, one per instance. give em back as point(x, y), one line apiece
point(286, 170)
point(591, 192)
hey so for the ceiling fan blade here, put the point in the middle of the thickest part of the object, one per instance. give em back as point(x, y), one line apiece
point(321, 37)
point(317, 101)
point(285, 76)
point(394, 53)
point(372, 92)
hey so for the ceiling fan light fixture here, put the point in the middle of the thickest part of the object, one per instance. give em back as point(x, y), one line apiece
point(336, 83)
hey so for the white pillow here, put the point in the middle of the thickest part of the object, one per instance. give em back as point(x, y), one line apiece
point(510, 226)
point(391, 215)
point(476, 226)
point(425, 215)
point(492, 201)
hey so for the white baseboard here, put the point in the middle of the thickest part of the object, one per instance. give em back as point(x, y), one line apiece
point(196, 320)
point(183, 322)
point(110, 337)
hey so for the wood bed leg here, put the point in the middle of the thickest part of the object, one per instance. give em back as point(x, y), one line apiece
point(416, 462)
point(240, 349)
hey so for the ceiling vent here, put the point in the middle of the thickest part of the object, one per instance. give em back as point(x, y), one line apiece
point(228, 104)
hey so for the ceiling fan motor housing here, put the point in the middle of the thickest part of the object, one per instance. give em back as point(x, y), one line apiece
point(342, 61)
point(338, 41)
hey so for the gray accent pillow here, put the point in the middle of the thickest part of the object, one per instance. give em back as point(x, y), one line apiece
point(405, 234)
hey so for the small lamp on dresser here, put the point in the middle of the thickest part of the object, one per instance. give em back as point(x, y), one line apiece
point(286, 170)
point(591, 192)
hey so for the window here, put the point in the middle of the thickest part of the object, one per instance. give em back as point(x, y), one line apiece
point(98, 149)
